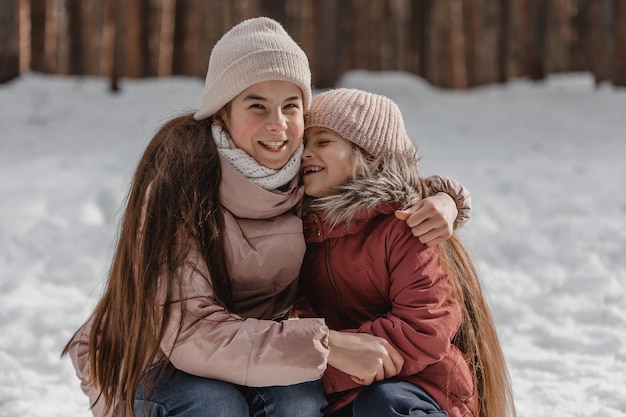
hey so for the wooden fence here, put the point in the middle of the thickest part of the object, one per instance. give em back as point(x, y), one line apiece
point(450, 43)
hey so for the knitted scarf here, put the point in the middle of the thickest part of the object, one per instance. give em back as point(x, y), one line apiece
point(266, 178)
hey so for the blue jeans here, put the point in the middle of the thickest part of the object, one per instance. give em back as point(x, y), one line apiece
point(179, 394)
point(391, 398)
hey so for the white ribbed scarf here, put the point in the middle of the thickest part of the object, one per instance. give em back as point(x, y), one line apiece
point(266, 178)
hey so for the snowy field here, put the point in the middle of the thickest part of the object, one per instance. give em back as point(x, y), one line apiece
point(546, 165)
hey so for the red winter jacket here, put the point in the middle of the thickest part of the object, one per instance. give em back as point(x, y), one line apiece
point(373, 276)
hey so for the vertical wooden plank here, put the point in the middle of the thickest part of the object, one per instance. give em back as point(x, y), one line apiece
point(558, 42)
point(178, 63)
point(472, 17)
point(525, 38)
point(38, 35)
point(153, 35)
point(344, 13)
point(568, 32)
point(110, 64)
point(75, 34)
point(166, 38)
point(221, 18)
point(200, 20)
point(192, 34)
point(63, 43)
point(187, 37)
point(504, 40)
point(91, 42)
point(207, 38)
point(132, 28)
point(9, 39)
point(327, 42)
point(488, 58)
point(51, 41)
point(108, 39)
point(553, 53)
point(423, 17)
point(439, 44)
point(600, 41)
point(457, 45)
point(297, 17)
point(399, 14)
point(349, 28)
point(516, 35)
point(369, 43)
point(413, 35)
point(377, 29)
point(534, 27)
point(619, 33)
point(581, 31)
point(540, 18)
point(358, 30)
point(24, 35)
point(382, 58)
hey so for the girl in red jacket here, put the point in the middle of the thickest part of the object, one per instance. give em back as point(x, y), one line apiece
point(365, 273)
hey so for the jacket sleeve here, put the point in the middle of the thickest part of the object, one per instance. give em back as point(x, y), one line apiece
point(212, 343)
point(423, 317)
point(460, 195)
point(79, 354)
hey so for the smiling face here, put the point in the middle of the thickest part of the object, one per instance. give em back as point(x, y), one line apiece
point(326, 162)
point(266, 121)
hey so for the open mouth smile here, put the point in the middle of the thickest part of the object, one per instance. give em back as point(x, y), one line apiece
point(310, 169)
point(274, 146)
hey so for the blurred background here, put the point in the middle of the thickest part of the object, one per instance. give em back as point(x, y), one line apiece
point(453, 44)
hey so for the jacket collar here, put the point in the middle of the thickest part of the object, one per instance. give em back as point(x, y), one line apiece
point(317, 228)
point(249, 201)
point(360, 199)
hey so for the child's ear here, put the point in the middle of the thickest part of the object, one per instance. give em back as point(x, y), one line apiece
point(218, 117)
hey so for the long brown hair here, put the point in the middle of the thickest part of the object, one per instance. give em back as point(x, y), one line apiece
point(173, 205)
point(477, 337)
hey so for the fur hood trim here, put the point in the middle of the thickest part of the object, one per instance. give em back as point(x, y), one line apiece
point(395, 182)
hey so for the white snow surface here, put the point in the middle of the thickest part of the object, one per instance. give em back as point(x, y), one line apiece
point(545, 163)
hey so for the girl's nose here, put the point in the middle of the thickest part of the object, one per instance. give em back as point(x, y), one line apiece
point(277, 122)
point(307, 153)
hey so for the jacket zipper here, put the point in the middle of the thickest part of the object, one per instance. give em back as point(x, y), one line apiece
point(332, 281)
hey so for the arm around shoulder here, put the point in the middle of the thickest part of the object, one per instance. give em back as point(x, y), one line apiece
point(461, 196)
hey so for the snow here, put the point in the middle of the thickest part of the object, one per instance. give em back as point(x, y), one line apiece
point(544, 162)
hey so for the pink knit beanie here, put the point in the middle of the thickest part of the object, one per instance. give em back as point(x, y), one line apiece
point(371, 121)
point(253, 51)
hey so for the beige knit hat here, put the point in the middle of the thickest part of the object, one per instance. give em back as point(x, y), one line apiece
point(253, 51)
point(371, 121)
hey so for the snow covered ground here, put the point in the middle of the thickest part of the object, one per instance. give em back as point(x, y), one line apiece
point(546, 165)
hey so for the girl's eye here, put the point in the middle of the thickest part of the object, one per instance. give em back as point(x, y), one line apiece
point(291, 106)
point(256, 106)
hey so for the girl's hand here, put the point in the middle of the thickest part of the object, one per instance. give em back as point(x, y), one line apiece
point(366, 358)
point(432, 219)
